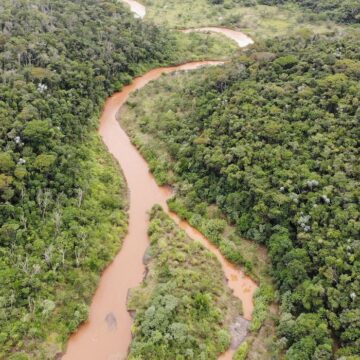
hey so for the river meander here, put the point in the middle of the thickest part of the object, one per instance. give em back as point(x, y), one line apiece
point(107, 333)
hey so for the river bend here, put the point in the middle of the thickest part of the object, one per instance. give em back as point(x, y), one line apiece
point(107, 333)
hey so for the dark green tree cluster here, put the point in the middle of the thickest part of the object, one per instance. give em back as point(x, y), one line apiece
point(61, 201)
point(183, 308)
point(342, 11)
point(273, 140)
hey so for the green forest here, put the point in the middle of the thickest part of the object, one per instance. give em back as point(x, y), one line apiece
point(262, 154)
point(272, 140)
point(261, 19)
point(342, 11)
point(63, 202)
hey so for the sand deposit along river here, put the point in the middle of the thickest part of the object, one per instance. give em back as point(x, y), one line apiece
point(107, 333)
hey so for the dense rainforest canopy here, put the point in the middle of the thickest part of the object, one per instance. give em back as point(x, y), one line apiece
point(342, 11)
point(272, 139)
point(61, 207)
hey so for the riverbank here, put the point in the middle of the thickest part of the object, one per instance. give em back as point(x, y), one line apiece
point(94, 339)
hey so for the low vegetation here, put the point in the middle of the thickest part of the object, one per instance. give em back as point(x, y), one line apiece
point(184, 307)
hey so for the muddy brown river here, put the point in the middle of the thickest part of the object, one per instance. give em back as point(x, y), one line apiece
point(241, 39)
point(107, 333)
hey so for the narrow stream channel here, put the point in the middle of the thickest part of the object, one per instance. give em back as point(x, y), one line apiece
point(107, 333)
point(138, 9)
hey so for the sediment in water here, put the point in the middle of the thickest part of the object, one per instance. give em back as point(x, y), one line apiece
point(96, 339)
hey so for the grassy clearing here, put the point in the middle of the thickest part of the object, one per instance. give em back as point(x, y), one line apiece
point(258, 21)
point(183, 307)
point(201, 46)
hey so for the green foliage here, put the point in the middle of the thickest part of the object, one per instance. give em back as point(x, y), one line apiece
point(272, 142)
point(62, 202)
point(260, 19)
point(213, 228)
point(53, 260)
point(242, 351)
point(183, 307)
point(286, 62)
point(263, 297)
point(307, 337)
point(343, 11)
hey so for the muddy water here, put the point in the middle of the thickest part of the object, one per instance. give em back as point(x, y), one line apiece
point(241, 39)
point(138, 9)
point(107, 333)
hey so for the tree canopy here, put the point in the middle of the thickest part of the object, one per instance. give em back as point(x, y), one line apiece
point(272, 140)
point(62, 202)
